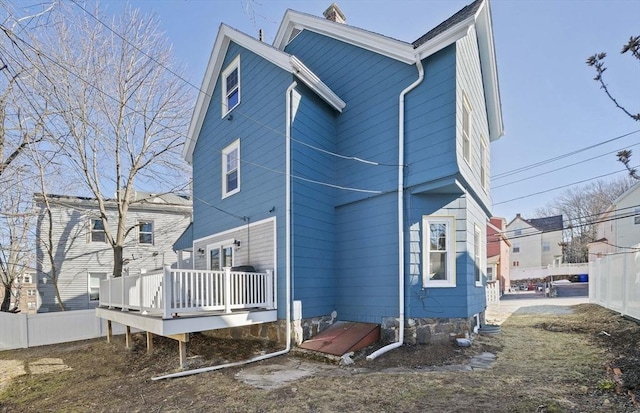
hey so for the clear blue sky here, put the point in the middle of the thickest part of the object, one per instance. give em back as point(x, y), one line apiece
point(551, 105)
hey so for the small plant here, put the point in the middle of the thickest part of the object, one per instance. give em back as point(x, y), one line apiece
point(606, 385)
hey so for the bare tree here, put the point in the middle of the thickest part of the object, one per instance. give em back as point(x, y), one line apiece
point(597, 62)
point(581, 208)
point(118, 103)
point(15, 250)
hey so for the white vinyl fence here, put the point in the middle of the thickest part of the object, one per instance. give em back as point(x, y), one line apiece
point(30, 330)
point(614, 282)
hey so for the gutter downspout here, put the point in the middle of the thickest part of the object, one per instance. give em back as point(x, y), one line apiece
point(401, 213)
point(287, 260)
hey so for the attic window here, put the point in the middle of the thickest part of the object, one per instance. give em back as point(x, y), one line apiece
point(231, 86)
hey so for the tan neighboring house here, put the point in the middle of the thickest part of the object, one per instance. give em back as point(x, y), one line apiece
point(498, 253)
point(535, 242)
point(24, 294)
point(618, 228)
point(82, 255)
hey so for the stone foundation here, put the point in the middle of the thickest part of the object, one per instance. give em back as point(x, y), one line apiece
point(275, 331)
point(426, 330)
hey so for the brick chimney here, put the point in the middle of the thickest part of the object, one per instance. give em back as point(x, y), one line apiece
point(334, 14)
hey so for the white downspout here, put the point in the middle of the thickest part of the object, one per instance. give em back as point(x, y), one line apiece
point(401, 213)
point(287, 260)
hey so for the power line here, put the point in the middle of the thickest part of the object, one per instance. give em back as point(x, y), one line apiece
point(555, 158)
point(562, 167)
point(558, 187)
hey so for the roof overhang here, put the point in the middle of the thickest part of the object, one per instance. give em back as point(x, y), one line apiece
point(289, 63)
point(377, 43)
point(406, 53)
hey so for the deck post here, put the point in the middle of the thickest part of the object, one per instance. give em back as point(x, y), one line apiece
point(183, 353)
point(227, 289)
point(149, 342)
point(127, 337)
point(109, 331)
point(166, 293)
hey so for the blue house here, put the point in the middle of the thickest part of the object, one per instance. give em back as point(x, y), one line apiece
point(353, 167)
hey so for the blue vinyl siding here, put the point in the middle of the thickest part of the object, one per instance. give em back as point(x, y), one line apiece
point(430, 121)
point(259, 122)
point(367, 258)
point(469, 81)
point(437, 302)
point(313, 213)
point(368, 127)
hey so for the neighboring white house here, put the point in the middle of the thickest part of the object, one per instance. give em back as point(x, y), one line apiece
point(82, 255)
point(618, 228)
point(535, 242)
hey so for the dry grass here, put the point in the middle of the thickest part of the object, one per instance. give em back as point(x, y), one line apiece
point(545, 364)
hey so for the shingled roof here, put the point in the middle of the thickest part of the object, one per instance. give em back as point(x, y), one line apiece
point(547, 224)
point(466, 12)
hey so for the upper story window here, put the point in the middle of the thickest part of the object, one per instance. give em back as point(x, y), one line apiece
point(97, 231)
point(484, 165)
point(636, 218)
point(466, 129)
point(439, 252)
point(231, 86)
point(546, 246)
point(231, 169)
point(145, 232)
point(516, 248)
point(517, 232)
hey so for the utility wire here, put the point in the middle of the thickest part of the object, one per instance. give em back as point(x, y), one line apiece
point(562, 167)
point(559, 187)
point(559, 157)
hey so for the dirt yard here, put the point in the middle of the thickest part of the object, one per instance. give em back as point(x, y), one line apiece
point(586, 361)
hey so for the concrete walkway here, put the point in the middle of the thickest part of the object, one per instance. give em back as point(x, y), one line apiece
point(529, 302)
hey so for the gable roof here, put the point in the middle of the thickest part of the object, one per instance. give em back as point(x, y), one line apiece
point(285, 61)
point(476, 14)
point(547, 224)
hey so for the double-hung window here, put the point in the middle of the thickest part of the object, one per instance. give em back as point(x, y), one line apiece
point(231, 169)
point(97, 233)
point(231, 86)
point(466, 129)
point(145, 232)
point(438, 251)
point(484, 163)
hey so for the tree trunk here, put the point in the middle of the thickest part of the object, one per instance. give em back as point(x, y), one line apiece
point(6, 301)
point(117, 260)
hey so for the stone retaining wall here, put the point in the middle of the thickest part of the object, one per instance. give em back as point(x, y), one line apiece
point(426, 330)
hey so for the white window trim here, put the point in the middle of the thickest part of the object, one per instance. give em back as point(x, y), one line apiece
point(153, 228)
point(235, 64)
point(91, 231)
point(225, 151)
point(451, 251)
point(220, 246)
point(466, 135)
point(477, 256)
point(89, 284)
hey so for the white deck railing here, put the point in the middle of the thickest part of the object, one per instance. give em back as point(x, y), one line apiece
point(175, 291)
